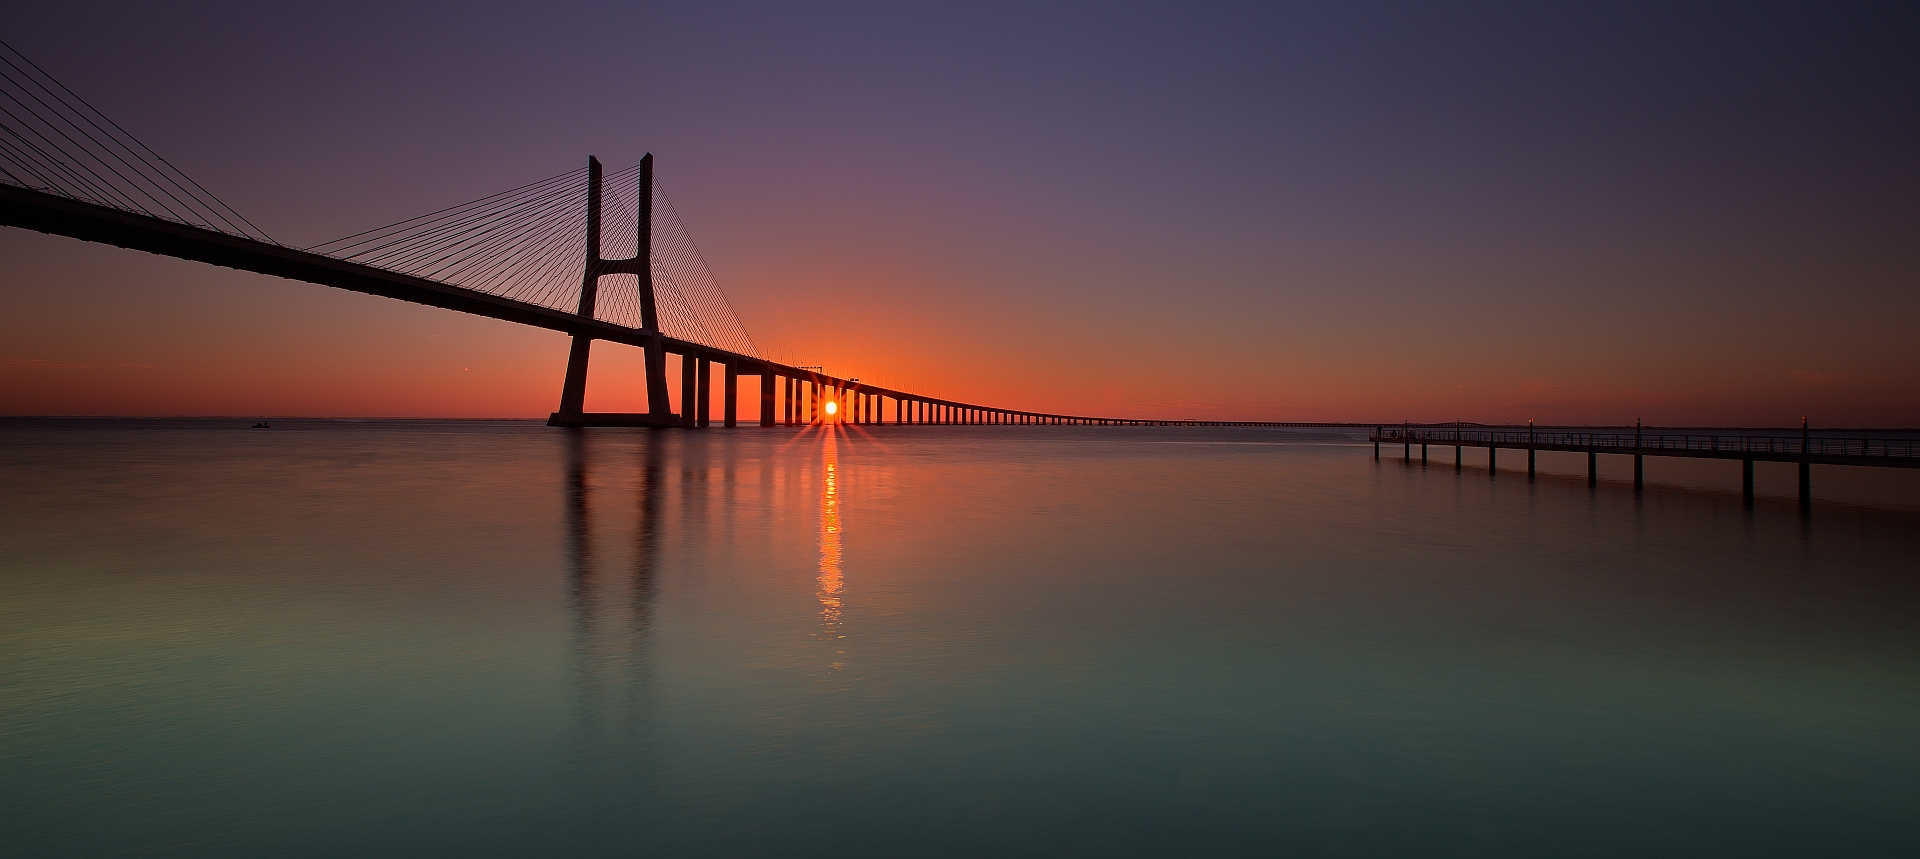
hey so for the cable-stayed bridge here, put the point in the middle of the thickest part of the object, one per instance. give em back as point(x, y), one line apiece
point(600, 256)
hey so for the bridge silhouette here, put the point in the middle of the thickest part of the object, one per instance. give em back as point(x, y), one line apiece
point(539, 255)
point(606, 258)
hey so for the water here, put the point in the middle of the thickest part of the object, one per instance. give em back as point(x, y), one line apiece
point(496, 639)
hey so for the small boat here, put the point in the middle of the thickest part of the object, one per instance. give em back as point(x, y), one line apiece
point(260, 425)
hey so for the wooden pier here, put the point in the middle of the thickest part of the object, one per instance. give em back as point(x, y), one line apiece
point(1747, 445)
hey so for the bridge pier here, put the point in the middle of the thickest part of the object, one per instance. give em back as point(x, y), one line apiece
point(703, 398)
point(1593, 468)
point(1530, 453)
point(1639, 472)
point(689, 389)
point(1456, 458)
point(766, 397)
point(1746, 482)
point(1423, 454)
point(1492, 452)
point(732, 407)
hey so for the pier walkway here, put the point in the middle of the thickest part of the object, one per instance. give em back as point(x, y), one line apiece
point(1863, 448)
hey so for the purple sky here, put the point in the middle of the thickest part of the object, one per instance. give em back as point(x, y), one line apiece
point(1365, 212)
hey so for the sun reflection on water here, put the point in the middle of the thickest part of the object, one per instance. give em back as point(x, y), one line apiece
point(830, 583)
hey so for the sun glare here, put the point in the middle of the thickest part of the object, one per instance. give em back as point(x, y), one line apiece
point(832, 407)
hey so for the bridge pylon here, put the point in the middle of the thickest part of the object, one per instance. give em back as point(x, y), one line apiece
point(573, 391)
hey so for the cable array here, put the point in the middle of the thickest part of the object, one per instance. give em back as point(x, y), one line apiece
point(679, 270)
point(529, 244)
point(53, 141)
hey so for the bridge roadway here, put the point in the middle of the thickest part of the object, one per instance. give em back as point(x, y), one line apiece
point(1807, 450)
point(805, 390)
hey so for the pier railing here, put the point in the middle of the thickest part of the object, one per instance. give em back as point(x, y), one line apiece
point(1900, 451)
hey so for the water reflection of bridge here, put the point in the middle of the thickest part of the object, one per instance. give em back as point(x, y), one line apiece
point(613, 596)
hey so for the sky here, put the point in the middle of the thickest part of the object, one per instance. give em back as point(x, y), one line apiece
point(1688, 214)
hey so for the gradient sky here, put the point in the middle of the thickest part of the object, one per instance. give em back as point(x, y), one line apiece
point(1704, 215)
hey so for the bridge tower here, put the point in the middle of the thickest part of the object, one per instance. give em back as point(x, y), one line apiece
point(573, 392)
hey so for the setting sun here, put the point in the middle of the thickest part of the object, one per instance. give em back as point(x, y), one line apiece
point(832, 407)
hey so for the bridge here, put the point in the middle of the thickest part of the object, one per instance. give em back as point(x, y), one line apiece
point(562, 254)
point(606, 258)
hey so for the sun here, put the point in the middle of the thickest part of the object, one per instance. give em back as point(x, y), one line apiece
point(832, 407)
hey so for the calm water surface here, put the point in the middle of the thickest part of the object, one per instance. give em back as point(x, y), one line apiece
point(475, 639)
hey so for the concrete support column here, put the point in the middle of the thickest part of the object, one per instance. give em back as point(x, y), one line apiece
point(1746, 481)
point(1530, 453)
point(704, 383)
point(731, 410)
point(1491, 451)
point(813, 401)
point(1423, 454)
point(1456, 458)
point(689, 390)
point(1639, 472)
point(1593, 468)
point(766, 398)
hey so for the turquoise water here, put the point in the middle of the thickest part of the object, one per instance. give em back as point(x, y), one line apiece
point(498, 639)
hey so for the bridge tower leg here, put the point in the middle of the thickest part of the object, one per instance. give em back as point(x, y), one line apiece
point(659, 405)
point(573, 390)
